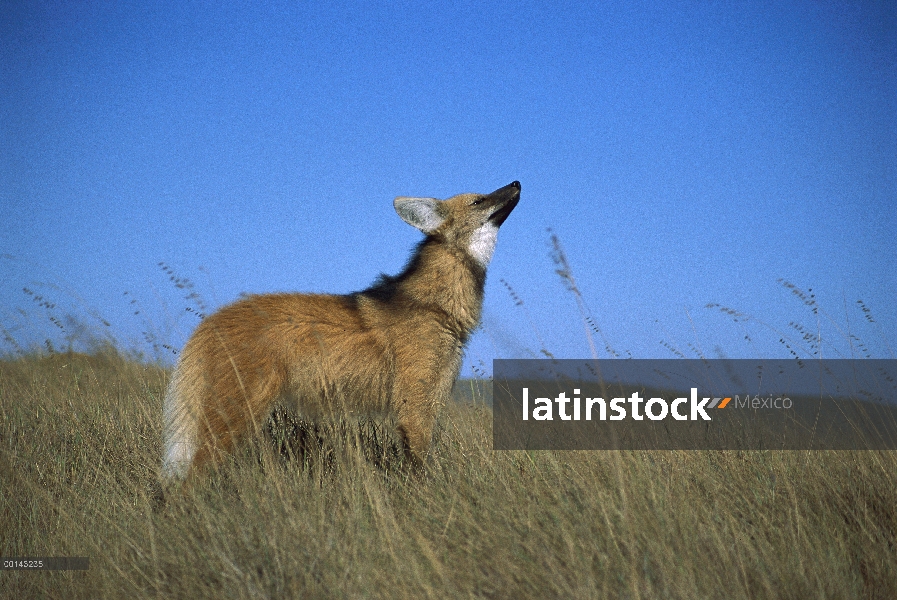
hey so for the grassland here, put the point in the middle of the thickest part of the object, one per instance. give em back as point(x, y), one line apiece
point(340, 517)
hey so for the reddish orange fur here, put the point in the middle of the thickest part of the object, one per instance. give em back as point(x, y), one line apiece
point(396, 346)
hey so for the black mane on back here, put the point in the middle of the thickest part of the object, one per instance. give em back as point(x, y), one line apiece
point(385, 286)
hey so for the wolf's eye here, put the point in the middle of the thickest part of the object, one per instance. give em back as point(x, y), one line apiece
point(478, 201)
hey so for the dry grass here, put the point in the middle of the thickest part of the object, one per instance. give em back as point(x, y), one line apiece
point(338, 516)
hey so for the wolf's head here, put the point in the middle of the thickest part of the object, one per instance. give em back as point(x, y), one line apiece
point(468, 222)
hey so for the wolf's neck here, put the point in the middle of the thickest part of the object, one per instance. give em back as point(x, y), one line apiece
point(446, 280)
point(441, 280)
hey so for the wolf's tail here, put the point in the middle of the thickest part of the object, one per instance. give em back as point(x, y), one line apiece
point(181, 422)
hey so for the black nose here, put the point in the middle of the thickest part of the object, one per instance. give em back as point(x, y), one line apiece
point(516, 184)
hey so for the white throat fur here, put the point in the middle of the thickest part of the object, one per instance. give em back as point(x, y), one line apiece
point(482, 243)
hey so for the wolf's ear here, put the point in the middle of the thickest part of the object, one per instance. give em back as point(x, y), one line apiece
point(422, 213)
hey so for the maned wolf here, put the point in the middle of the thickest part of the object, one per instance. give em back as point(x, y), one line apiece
point(396, 346)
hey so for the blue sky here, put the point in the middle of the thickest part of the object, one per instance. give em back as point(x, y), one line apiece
point(684, 154)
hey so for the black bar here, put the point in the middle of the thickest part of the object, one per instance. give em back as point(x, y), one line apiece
point(45, 563)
